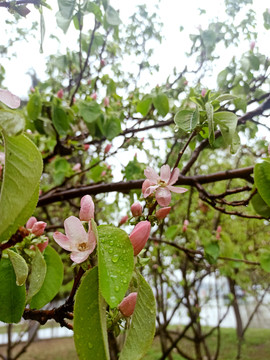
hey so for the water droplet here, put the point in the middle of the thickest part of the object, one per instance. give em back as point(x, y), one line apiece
point(124, 281)
point(110, 251)
point(124, 251)
point(90, 345)
point(115, 258)
point(116, 288)
point(111, 242)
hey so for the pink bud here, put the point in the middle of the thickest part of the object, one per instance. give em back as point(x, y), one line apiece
point(219, 229)
point(185, 82)
point(38, 228)
point(42, 246)
point(94, 96)
point(185, 226)
point(32, 89)
point(30, 223)
point(123, 220)
point(102, 63)
point(77, 167)
point(86, 146)
point(140, 235)
point(163, 212)
point(106, 101)
point(252, 45)
point(87, 208)
point(60, 93)
point(142, 140)
point(89, 82)
point(127, 305)
point(203, 93)
point(103, 173)
point(136, 209)
point(107, 148)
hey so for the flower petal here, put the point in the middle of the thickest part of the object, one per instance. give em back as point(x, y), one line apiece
point(174, 176)
point(75, 231)
point(9, 99)
point(62, 240)
point(163, 196)
point(79, 256)
point(151, 174)
point(165, 173)
point(91, 243)
point(150, 190)
point(31, 222)
point(176, 189)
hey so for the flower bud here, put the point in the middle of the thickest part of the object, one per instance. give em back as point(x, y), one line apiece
point(30, 223)
point(60, 93)
point(252, 45)
point(87, 208)
point(86, 146)
point(89, 82)
point(107, 148)
point(136, 209)
point(38, 228)
point(139, 236)
point(123, 220)
point(103, 173)
point(163, 212)
point(106, 101)
point(203, 93)
point(94, 96)
point(42, 246)
point(102, 63)
point(77, 167)
point(185, 226)
point(127, 305)
point(219, 229)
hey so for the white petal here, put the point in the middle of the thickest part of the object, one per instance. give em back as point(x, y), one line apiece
point(165, 173)
point(79, 256)
point(9, 99)
point(151, 174)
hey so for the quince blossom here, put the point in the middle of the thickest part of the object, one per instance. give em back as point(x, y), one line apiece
point(9, 99)
point(161, 185)
point(77, 240)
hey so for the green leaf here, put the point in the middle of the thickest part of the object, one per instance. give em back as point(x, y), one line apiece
point(236, 141)
point(266, 18)
point(212, 251)
point(187, 120)
point(53, 279)
point(12, 296)
point(90, 333)
point(37, 276)
point(143, 324)
point(115, 263)
point(222, 78)
point(60, 120)
point(19, 265)
point(265, 260)
point(66, 8)
point(112, 127)
point(112, 16)
point(90, 111)
point(227, 122)
point(210, 112)
point(34, 106)
point(20, 185)
point(95, 9)
point(11, 122)
point(226, 97)
point(62, 22)
point(161, 103)
point(262, 180)
point(260, 206)
point(144, 106)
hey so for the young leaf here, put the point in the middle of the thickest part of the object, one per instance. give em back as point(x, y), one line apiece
point(144, 106)
point(260, 206)
point(112, 127)
point(90, 333)
point(37, 276)
point(34, 106)
point(11, 122)
point(19, 265)
point(265, 260)
point(262, 180)
point(161, 103)
point(210, 112)
point(112, 16)
point(66, 8)
point(19, 194)
point(115, 263)
point(142, 329)
point(60, 120)
point(187, 120)
point(12, 296)
point(225, 97)
point(90, 111)
point(53, 279)
point(227, 122)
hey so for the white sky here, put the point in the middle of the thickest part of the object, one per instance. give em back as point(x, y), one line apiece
point(173, 13)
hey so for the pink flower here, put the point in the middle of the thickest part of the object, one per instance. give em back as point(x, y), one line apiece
point(86, 146)
point(36, 227)
point(9, 99)
point(103, 173)
point(163, 212)
point(106, 101)
point(77, 240)
point(162, 185)
point(127, 305)
point(136, 209)
point(94, 96)
point(107, 148)
point(252, 45)
point(87, 208)
point(185, 226)
point(123, 220)
point(77, 167)
point(60, 93)
point(203, 93)
point(140, 235)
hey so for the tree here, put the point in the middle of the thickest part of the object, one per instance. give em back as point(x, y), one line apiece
point(55, 162)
